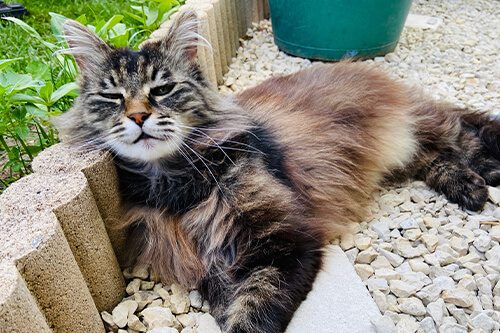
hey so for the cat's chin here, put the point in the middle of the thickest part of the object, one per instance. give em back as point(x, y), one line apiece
point(146, 150)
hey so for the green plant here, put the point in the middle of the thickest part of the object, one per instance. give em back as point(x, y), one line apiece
point(46, 87)
point(27, 101)
point(148, 15)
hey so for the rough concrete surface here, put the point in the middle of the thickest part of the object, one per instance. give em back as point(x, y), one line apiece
point(18, 304)
point(36, 244)
point(101, 176)
point(339, 301)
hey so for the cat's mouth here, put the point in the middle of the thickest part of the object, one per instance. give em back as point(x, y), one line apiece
point(144, 136)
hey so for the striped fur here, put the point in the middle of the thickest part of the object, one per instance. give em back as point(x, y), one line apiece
point(237, 195)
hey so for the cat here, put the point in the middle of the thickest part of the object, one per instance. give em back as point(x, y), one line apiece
point(237, 195)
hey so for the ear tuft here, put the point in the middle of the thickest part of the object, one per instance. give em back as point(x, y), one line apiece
point(182, 37)
point(87, 48)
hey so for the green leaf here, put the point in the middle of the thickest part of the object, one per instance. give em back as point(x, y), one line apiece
point(22, 132)
point(151, 16)
point(138, 9)
point(114, 20)
point(50, 46)
point(119, 35)
point(167, 15)
point(45, 92)
point(69, 89)
point(6, 62)
point(34, 150)
point(24, 26)
point(136, 17)
point(56, 25)
point(15, 82)
point(93, 28)
point(165, 6)
point(39, 70)
point(19, 113)
point(25, 98)
point(82, 19)
point(37, 112)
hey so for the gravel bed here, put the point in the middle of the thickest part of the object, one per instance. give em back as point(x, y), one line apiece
point(429, 266)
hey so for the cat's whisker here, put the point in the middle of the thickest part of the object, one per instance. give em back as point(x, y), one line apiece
point(185, 155)
point(253, 149)
point(220, 148)
point(235, 129)
point(208, 168)
point(197, 130)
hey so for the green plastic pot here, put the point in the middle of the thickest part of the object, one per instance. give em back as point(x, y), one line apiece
point(337, 29)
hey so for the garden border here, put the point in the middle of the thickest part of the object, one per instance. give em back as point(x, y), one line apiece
point(59, 246)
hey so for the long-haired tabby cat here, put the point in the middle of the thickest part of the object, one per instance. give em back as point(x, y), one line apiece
point(237, 195)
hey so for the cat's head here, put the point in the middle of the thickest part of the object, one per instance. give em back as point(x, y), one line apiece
point(138, 104)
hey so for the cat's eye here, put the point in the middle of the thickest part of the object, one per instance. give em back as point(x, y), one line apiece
point(111, 95)
point(163, 90)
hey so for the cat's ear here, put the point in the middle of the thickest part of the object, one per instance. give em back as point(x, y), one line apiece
point(87, 48)
point(182, 38)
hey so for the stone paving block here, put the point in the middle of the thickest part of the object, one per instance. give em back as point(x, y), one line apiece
point(19, 312)
point(101, 175)
point(233, 30)
point(34, 241)
point(266, 9)
point(69, 197)
point(225, 29)
point(222, 59)
point(210, 11)
point(242, 24)
point(338, 303)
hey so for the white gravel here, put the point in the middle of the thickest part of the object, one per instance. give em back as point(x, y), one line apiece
point(430, 266)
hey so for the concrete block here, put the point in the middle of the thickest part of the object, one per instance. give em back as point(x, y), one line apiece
point(254, 11)
point(338, 302)
point(209, 8)
point(225, 11)
point(19, 312)
point(204, 52)
point(222, 24)
point(219, 27)
point(266, 9)
point(34, 242)
point(260, 10)
point(240, 10)
point(233, 30)
point(101, 176)
point(69, 197)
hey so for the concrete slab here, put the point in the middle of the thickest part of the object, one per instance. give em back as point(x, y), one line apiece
point(339, 301)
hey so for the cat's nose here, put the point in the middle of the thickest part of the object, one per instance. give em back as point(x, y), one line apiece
point(139, 118)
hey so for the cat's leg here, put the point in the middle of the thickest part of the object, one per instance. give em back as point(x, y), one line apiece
point(261, 294)
point(488, 168)
point(481, 145)
point(459, 151)
point(448, 174)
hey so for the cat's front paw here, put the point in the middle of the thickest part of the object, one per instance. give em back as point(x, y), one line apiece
point(469, 190)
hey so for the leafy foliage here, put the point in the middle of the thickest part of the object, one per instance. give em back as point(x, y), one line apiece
point(46, 87)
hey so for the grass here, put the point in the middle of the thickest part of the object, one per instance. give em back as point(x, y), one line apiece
point(14, 42)
point(37, 83)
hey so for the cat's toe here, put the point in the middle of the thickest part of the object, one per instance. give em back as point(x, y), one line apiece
point(474, 192)
point(492, 178)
